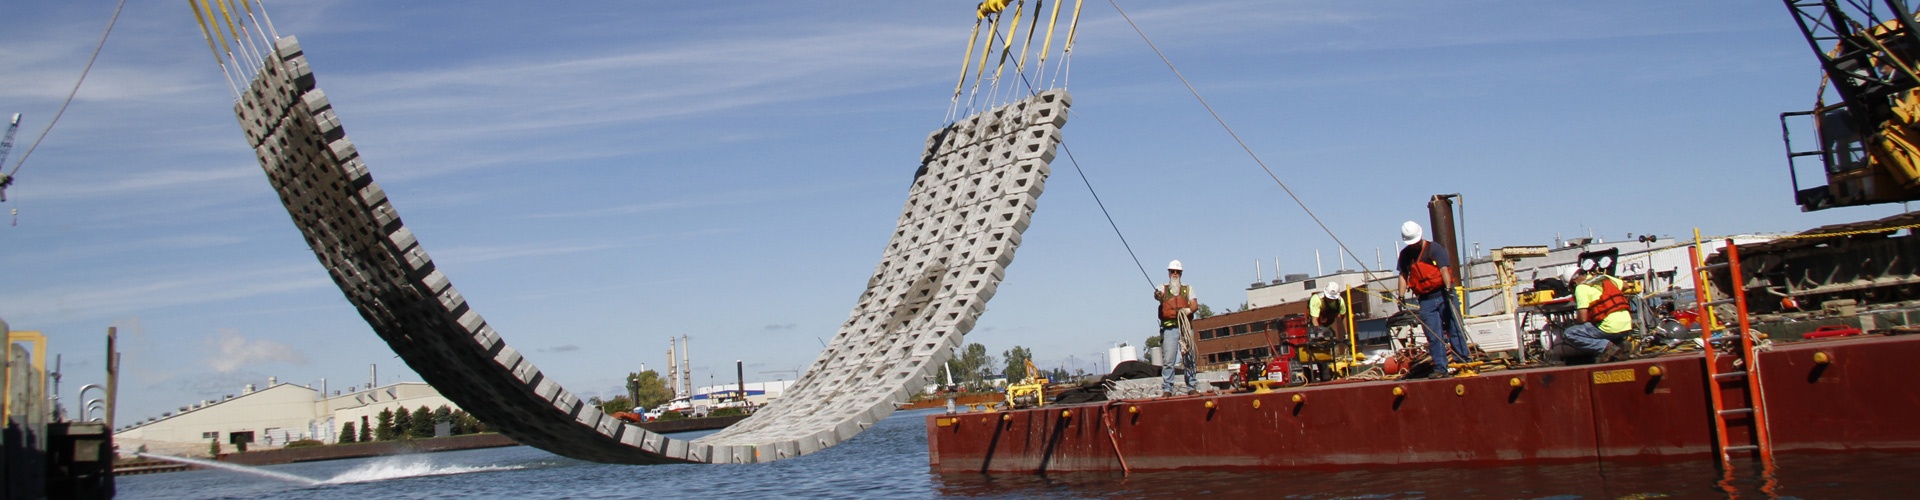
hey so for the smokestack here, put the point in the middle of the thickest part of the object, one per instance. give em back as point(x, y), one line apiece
point(673, 369)
point(373, 376)
point(740, 370)
point(686, 364)
point(1440, 216)
point(1318, 270)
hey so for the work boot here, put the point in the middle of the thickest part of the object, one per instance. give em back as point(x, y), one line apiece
point(1608, 355)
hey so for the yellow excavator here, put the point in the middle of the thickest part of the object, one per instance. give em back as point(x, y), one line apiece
point(1030, 392)
point(1868, 144)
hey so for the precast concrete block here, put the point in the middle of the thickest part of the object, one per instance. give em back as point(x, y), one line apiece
point(316, 101)
point(698, 452)
point(371, 195)
point(402, 238)
point(486, 338)
point(610, 427)
point(326, 121)
point(434, 281)
point(786, 449)
point(354, 168)
point(471, 320)
point(588, 416)
point(677, 449)
point(508, 358)
point(546, 389)
point(342, 149)
point(417, 258)
point(451, 300)
point(526, 373)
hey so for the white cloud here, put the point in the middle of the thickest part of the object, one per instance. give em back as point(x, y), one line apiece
point(231, 352)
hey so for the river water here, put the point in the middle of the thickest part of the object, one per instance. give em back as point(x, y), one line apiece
point(890, 461)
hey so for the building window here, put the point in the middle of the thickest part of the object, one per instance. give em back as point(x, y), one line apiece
point(1239, 329)
point(210, 435)
point(1206, 334)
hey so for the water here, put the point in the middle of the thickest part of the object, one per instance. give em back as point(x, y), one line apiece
point(890, 461)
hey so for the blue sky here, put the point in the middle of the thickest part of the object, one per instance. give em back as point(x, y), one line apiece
point(599, 177)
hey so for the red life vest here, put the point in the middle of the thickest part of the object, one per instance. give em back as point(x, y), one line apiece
point(1424, 276)
point(1610, 301)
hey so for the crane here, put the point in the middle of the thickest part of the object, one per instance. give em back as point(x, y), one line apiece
point(6, 146)
point(1869, 142)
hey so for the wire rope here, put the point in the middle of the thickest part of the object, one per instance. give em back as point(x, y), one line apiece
point(70, 93)
point(1243, 144)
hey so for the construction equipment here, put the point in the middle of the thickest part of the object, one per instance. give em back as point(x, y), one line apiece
point(1868, 145)
point(1030, 392)
point(1869, 142)
point(6, 146)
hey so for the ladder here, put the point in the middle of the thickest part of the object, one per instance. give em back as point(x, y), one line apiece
point(1742, 379)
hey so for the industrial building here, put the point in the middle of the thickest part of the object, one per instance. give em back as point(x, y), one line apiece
point(271, 417)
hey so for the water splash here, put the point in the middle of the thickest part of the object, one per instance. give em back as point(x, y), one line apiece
point(405, 466)
point(235, 468)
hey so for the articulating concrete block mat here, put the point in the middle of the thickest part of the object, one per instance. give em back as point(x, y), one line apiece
point(972, 195)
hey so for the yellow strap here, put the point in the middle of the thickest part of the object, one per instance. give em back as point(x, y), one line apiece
point(990, 7)
point(1047, 45)
point(972, 40)
point(204, 33)
point(235, 31)
point(1008, 46)
point(1021, 66)
point(222, 35)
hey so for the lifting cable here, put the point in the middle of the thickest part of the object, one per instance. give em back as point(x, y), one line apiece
point(70, 93)
point(1242, 143)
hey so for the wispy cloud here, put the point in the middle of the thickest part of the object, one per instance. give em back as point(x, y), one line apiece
point(230, 352)
point(781, 327)
point(473, 254)
point(127, 296)
point(148, 182)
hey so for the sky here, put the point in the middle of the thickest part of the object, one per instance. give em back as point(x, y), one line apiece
point(600, 177)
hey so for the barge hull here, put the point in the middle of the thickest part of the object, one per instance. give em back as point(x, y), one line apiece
point(1645, 409)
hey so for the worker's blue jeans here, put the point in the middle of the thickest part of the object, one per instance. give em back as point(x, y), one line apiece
point(1174, 354)
point(1587, 337)
point(1437, 318)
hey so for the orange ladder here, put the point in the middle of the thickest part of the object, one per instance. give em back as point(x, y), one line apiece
point(1742, 379)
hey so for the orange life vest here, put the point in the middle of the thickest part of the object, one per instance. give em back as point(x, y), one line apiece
point(1424, 276)
point(1171, 302)
point(1610, 301)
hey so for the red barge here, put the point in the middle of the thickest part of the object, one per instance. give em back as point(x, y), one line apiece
point(1822, 395)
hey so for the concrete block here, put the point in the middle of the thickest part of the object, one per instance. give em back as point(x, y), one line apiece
point(548, 390)
point(526, 372)
point(342, 149)
point(417, 258)
point(677, 449)
point(371, 195)
point(451, 300)
point(698, 452)
point(435, 282)
point(588, 416)
point(471, 321)
point(401, 238)
point(486, 338)
point(508, 358)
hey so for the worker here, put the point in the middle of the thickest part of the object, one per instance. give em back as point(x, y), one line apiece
point(1426, 270)
point(1601, 315)
point(1177, 303)
point(1326, 310)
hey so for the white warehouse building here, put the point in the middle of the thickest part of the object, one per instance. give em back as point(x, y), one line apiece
point(269, 418)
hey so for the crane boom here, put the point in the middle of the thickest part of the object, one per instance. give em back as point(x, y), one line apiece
point(1869, 143)
point(6, 146)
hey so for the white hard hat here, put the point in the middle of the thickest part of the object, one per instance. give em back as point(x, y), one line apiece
point(1409, 232)
point(1567, 273)
point(1174, 266)
point(1333, 291)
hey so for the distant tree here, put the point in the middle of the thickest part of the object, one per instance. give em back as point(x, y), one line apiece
point(1017, 362)
point(422, 423)
point(1207, 312)
point(214, 450)
point(1057, 375)
point(444, 414)
point(346, 433)
point(384, 431)
point(402, 424)
point(972, 365)
point(366, 432)
point(647, 390)
point(457, 422)
point(474, 425)
point(617, 404)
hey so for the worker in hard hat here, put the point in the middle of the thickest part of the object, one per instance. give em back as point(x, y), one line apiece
point(1601, 313)
point(1177, 303)
point(1326, 310)
point(1426, 270)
